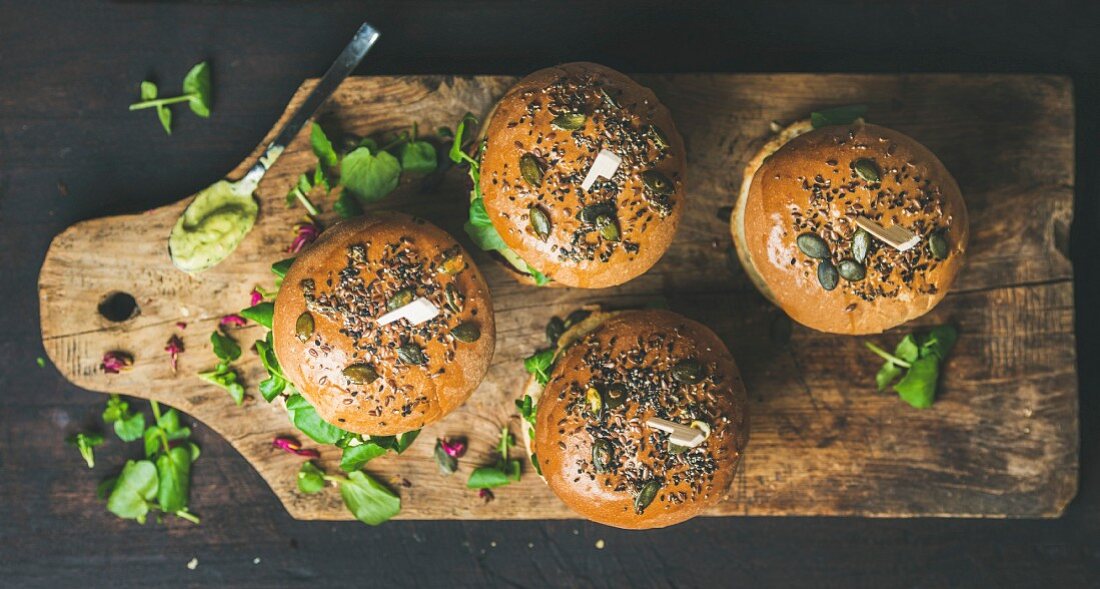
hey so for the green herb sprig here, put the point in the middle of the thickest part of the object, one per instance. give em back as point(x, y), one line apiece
point(223, 375)
point(197, 93)
point(916, 359)
point(368, 172)
point(367, 499)
point(162, 480)
point(85, 443)
point(503, 472)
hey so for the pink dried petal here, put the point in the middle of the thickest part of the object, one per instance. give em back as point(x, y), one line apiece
point(174, 347)
point(115, 362)
point(486, 495)
point(455, 448)
point(291, 445)
point(307, 232)
point(181, 324)
point(256, 298)
point(232, 319)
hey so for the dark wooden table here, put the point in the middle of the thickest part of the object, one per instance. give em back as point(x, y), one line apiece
point(69, 150)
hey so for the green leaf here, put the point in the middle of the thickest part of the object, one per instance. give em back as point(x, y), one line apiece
point(195, 451)
point(135, 487)
point(169, 421)
point(355, 457)
point(116, 409)
point(481, 229)
point(322, 148)
point(174, 479)
point(368, 176)
point(148, 90)
point(908, 350)
point(261, 313)
point(225, 347)
point(305, 418)
point(918, 386)
point(346, 206)
point(487, 477)
point(886, 375)
point(272, 388)
point(196, 85)
point(840, 115)
point(404, 441)
point(152, 441)
point(456, 154)
point(526, 408)
point(418, 157)
point(539, 364)
point(130, 427)
point(512, 469)
point(281, 267)
point(226, 378)
point(165, 117)
point(540, 278)
point(310, 479)
point(939, 341)
point(367, 500)
point(85, 444)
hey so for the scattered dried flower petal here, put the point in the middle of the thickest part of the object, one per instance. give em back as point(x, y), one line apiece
point(307, 232)
point(174, 347)
point(181, 324)
point(486, 495)
point(232, 319)
point(455, 447)
point(291, 445)
point(256, 297)
point(115, 362)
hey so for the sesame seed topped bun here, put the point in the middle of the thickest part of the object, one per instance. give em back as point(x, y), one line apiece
point(376, 379)
point(541, 140)
point(592, 441)
point(796, 226)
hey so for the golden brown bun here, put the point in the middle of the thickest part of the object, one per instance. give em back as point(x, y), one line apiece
point(639, 349)
point(809, 185)
point(398, 252)
point(574, 253)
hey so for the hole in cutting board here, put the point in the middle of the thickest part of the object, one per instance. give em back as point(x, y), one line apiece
point(118, 307)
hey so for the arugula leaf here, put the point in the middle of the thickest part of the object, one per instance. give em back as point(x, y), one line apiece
point(355, 457)
point(149, 92)
point(128, 426)
point(322, 148)
point(539, 364)
point(916, 359)
point(174, 479)
point(85, 443)
point(305, 418)
point(840, 115)
point(310, 479)
point(226, 378)
point(369, 176)
point(540, 278)
point(418, 157)
point(135, 487)
point(456, 153)
point(196, 84)
point(481, 230)
point(225, 347)
point(368, 501)
point(260, 313)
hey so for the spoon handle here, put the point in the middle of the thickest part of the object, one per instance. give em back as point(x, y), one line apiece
point(343, 66)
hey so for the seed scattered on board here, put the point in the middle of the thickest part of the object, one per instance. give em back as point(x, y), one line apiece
point(193, 564)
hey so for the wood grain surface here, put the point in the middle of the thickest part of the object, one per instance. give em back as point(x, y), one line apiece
point(1001, 440)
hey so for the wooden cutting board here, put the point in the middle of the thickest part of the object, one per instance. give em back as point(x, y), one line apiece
point(1000, 441)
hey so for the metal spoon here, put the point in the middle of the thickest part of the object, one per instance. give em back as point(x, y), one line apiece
point(221, 215)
